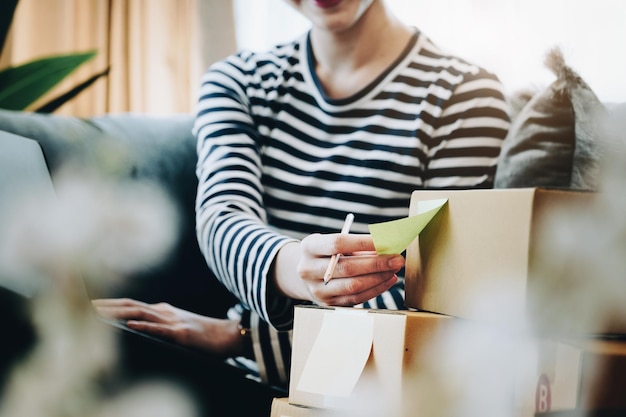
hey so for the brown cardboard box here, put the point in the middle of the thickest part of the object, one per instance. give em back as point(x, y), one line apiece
point(358, 361)
point(476, 259)
point(602, 377)
point(576, 374)
point(282, 408)
point(429, 364)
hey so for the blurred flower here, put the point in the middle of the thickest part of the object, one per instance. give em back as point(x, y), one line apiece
point(104, 228)
point(150, 400)
point(95, 229)
point(584, 271)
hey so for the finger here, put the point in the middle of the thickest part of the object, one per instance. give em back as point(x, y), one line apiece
point(356, 266)
point(352, 243)
point(342, 287)
point(364, 253)
point(363, 296)
point(132, 313)
point(160, 330)
point(117, 302)
point(324, 245)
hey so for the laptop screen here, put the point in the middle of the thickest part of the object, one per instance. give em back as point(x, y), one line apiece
point(24, 178)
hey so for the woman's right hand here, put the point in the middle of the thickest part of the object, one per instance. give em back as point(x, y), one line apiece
point(360, 275)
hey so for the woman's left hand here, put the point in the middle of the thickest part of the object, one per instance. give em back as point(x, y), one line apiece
point(218, 336)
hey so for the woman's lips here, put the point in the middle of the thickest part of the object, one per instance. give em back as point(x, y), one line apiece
point(326, 4)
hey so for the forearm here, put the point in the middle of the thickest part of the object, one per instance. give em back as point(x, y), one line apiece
point(243, 261)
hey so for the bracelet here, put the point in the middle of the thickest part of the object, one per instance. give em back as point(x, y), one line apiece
point(244, 331)
point(246, 334)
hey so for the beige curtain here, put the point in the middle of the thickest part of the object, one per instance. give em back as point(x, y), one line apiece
point(156, 49)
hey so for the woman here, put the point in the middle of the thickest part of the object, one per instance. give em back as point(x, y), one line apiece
point(351, 117)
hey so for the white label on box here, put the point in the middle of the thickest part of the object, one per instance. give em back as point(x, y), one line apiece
point(339, 353)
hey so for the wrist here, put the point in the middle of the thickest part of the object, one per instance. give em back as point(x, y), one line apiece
point(284, 275)
point(223, 337)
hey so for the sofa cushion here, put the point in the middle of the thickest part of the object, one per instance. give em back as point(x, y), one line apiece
point(554, 139)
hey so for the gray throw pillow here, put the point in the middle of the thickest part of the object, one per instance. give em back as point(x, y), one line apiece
point(553, 141)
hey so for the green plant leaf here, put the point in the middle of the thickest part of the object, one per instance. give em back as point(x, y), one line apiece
point(6, 17)
point(52, 105)
point(22, 85)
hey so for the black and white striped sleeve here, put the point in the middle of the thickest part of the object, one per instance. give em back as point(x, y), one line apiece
point(231, 221)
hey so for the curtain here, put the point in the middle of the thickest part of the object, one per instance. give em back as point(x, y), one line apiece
point(156, 49)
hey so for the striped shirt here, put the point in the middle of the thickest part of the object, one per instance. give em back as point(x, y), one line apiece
point(278, 159)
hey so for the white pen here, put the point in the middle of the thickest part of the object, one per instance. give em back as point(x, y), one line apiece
point(335, 258)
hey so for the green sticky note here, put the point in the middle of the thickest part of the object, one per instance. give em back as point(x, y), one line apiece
point(394, 236)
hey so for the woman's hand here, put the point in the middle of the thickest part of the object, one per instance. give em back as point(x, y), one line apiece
point(359, 276)
point(218, 336)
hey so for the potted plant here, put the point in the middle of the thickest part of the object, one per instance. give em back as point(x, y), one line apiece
point(22, 85)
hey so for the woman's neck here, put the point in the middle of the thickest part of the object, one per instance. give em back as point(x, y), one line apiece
point(348, 61)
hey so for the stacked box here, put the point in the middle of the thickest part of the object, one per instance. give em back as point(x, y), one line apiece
point(468, 350)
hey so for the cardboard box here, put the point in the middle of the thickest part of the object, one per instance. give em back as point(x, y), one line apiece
point(478, 257)
point(585, 375)
point(602, 377)
point(356, 362)
point(359, 361)
point(282, 408)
